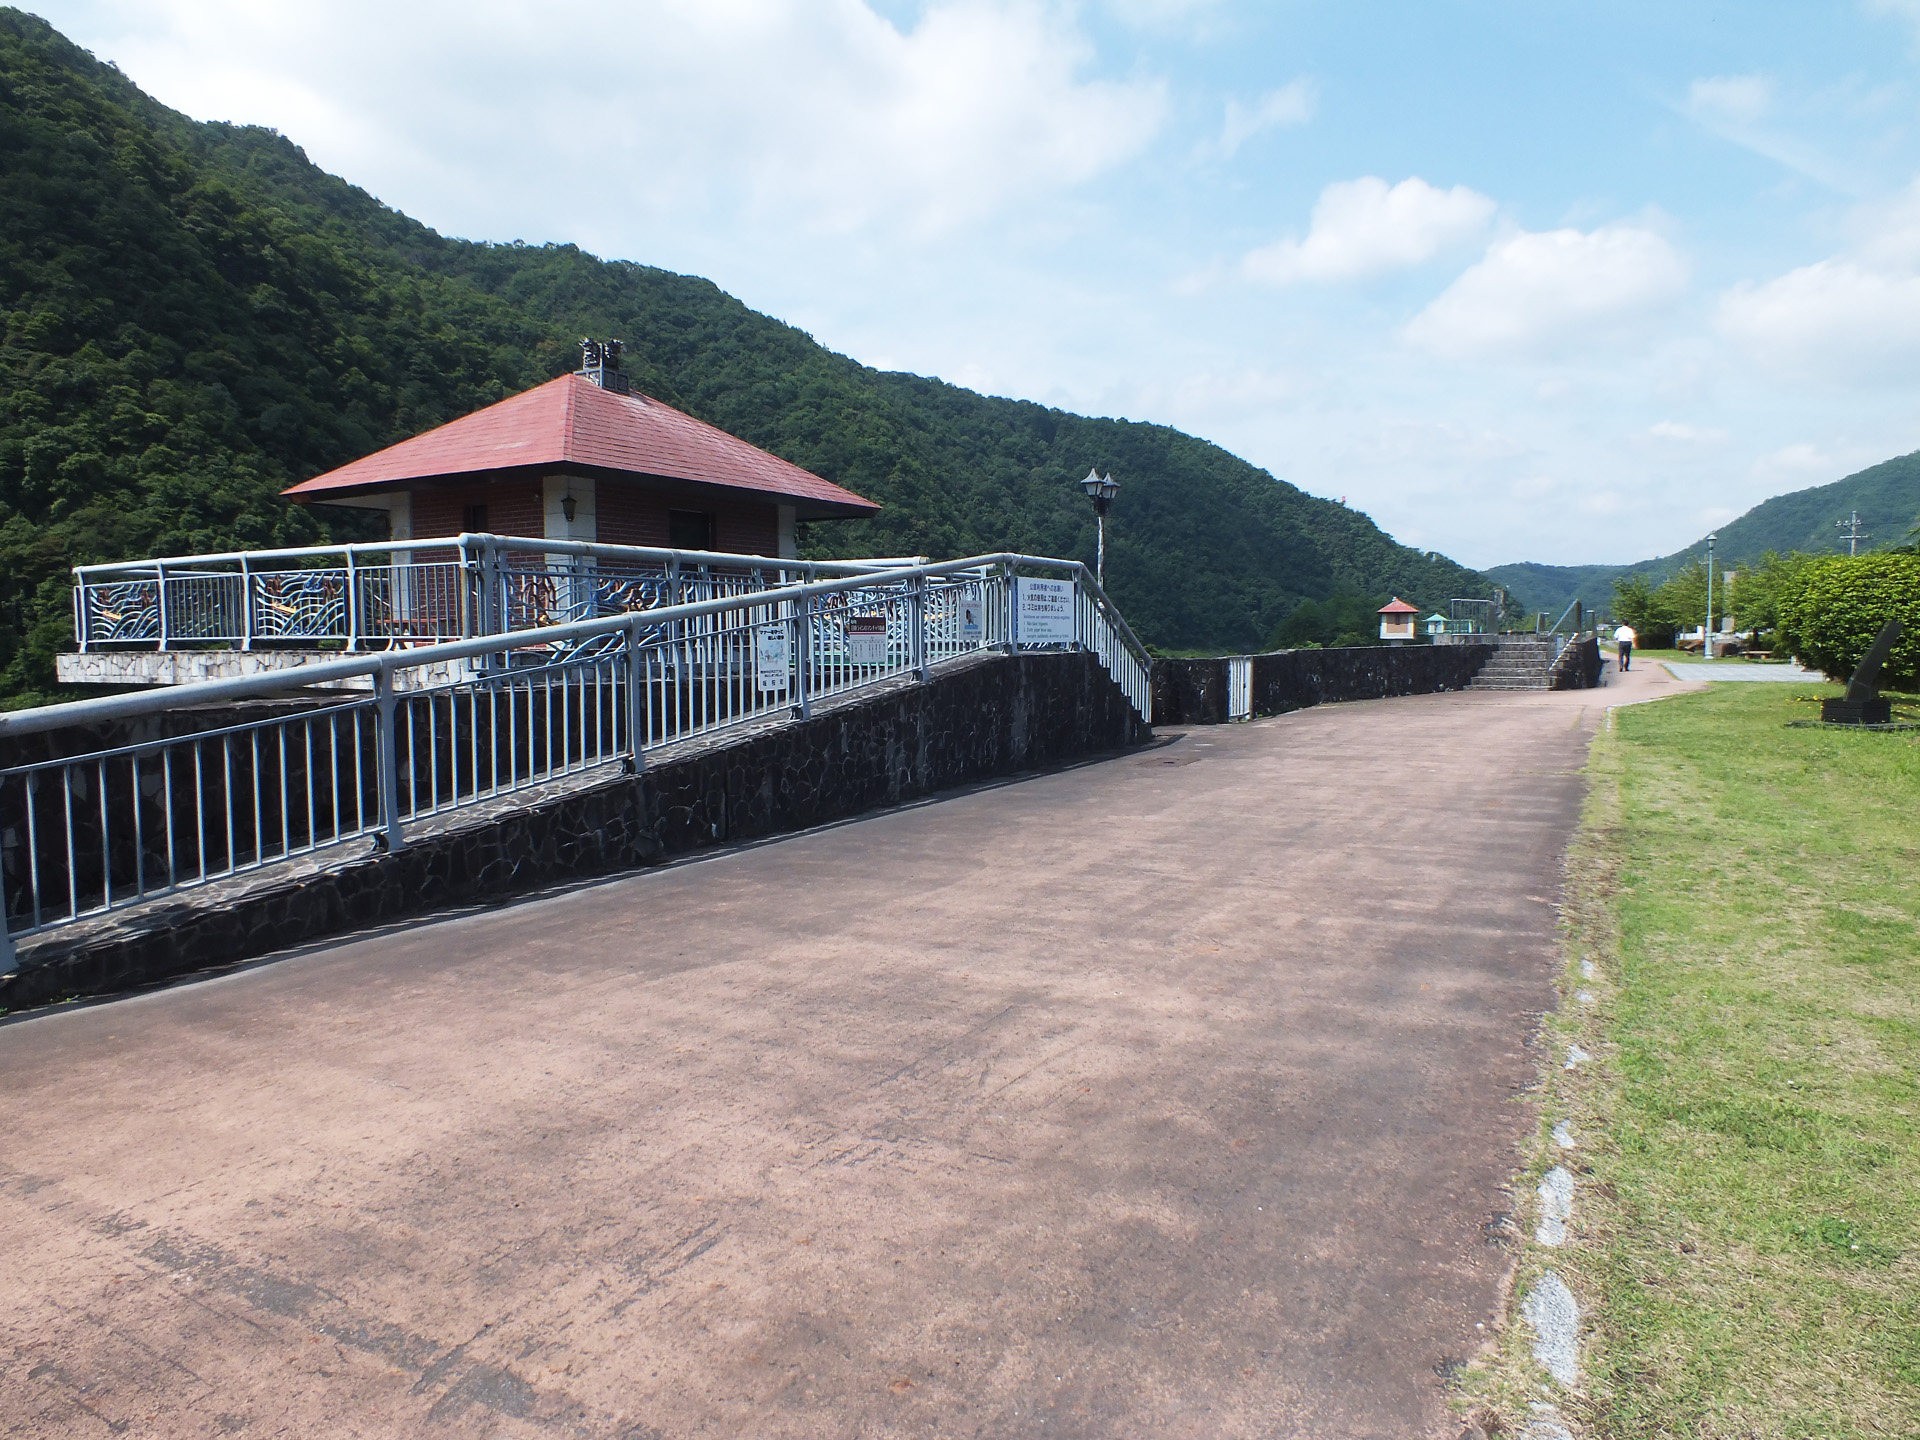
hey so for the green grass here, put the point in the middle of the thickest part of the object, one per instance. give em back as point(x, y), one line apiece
point(1747, 1225)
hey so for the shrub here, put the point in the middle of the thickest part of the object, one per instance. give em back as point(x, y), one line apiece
point(1831, 610)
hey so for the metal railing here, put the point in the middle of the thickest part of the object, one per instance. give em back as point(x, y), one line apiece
point(89, 834)
point(404, 592)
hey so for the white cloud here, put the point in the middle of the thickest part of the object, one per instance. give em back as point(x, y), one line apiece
point(1737, 108)
point(1683, 434)
point(1291, 104)
point(817, 114)
point(1730, 99)
point(1836, 318)
point(1362, 227)
point(1554, 292)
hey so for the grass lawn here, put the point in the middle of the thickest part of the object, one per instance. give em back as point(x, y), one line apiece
point(1745, 1242)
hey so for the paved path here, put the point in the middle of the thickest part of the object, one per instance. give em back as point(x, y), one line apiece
point(1789, 673)
point(1169, 1095)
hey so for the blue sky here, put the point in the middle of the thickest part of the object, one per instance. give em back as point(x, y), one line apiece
point(1560, 282)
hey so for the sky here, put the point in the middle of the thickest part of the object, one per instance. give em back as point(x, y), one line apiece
point(1522, 279)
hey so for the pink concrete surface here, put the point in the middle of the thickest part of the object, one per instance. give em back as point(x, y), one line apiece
point(1173, 1094)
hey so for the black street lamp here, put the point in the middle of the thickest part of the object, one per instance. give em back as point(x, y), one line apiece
point(1100, 489)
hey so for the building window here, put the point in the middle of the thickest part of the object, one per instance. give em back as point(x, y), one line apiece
point(689, 530)
point(477, 519)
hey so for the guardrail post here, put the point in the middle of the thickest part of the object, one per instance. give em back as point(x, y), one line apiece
point(81, 627)
point(9, 957)
point(1012, 632)
point(388, 740)
point(246, 603)
point(160, 603)
point(802, 659)
point(917, 608)
point(636, 704)
point(353, 602)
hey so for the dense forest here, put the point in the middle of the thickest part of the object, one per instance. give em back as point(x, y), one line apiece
point(196, 317)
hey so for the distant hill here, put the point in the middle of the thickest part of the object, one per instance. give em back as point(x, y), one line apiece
point(1887, 496)
point(196, 317)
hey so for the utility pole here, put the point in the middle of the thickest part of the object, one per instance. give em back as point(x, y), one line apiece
point(1706, 634)
point(1851, 532)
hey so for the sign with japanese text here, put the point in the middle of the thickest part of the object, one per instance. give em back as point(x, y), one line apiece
point(866, 639)
point(1043, 611)
point(772, 658)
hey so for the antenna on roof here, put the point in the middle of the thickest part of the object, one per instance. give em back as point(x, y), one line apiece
point(600, 363)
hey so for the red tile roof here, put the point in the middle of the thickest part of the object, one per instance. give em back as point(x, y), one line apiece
point(572, 421)
point(1397, 606)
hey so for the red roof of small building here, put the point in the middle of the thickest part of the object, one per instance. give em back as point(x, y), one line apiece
point(1397, 606)
point(572, 421)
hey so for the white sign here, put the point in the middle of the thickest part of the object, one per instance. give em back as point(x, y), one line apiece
point(866, 640)
point(772, 658)
point(1043, 611)
point(973, 619)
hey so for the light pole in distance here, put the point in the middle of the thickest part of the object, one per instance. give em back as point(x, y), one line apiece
point(1100, 489)
point(1706, 635)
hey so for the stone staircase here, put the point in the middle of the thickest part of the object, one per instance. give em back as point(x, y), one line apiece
point(1517, 664)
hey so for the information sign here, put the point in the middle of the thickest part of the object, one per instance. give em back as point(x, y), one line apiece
point(866, 639)
point(772, 658)
point(1043, 611)
point(973, 620)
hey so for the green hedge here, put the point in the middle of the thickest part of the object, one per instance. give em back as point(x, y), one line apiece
point(1831, 610)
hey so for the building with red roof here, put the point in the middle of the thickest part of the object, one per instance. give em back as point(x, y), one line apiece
point(584, 458)
point(1396, 620)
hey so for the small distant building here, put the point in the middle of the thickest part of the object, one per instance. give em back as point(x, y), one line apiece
point(1396, 620)
point(1436, 624)
point(586, 458)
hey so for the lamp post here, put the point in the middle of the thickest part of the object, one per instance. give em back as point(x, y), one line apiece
point(1100, 489)
point(1706, 634)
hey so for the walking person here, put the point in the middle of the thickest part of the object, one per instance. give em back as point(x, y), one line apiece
point(1623, 639)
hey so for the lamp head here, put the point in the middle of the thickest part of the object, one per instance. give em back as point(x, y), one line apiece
point(567, 506)
point(1100, 489)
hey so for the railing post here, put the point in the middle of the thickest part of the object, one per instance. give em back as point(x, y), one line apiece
point(917, 608)
point(246, 603)
point(353, 602)
point(82, 620)
point(802, 659)
point(9, 957)
point(388, 739)
point(1012, 632)
point(468, 585)
point(636, 703)
point(160, 606)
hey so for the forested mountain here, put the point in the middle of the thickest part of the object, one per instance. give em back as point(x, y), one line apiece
point(1886, 497)
point(196, 317)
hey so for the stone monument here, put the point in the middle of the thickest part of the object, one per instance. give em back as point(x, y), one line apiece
point(1863, 703)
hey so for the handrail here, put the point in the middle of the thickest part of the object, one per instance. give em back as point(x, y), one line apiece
point(467, 538)
point(89, 834)
point(376, 663)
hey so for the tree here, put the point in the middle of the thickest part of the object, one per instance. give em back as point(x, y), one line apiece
point(1832, 609)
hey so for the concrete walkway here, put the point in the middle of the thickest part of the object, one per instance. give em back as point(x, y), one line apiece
point(1169, 1095)
point(1737, 670)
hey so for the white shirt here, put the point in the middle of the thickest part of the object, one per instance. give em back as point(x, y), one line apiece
point(1624, 635)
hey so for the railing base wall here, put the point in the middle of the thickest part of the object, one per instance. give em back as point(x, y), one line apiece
point(1197, 692)
point(974, 720)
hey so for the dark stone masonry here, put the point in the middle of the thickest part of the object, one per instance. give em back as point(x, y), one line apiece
point(1194, 692)
point(974, 721)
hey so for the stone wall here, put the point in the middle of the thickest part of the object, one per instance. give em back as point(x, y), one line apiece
point(988, 717)
point(1578, 667)
point(1194, 692)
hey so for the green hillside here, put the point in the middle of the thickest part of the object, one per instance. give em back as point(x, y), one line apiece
point(1886, 495)
point(196, 317)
